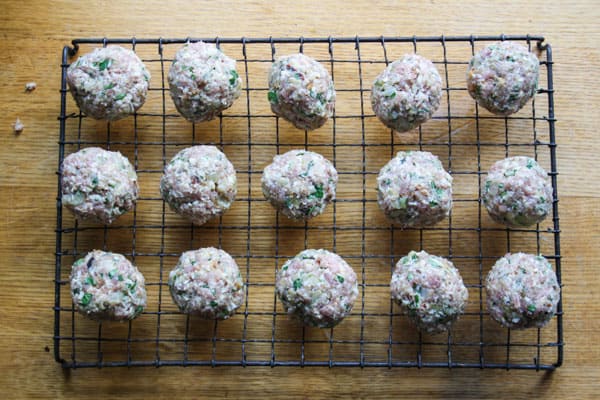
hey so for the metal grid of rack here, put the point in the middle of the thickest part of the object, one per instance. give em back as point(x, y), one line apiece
point(376, 334)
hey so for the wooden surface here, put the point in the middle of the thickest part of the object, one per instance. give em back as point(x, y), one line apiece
point(33, 34)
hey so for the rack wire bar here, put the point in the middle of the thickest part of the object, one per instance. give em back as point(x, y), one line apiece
point(466, 138)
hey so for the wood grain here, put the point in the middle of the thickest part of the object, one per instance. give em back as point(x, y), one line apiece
point(33, 34)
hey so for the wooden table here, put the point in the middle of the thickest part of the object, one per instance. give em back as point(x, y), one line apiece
point(33, 34)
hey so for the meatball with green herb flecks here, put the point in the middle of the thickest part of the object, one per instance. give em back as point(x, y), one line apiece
point(430, 289)
point(98, 185)
point(107, 287)
point(517, 192)
point(203, 81)
point(199, 183)
point(109, 83)
point(207, 283)
point(414, 190)
point(407, 93)
point(318, 287)
point(522, 291)
point(301, 91)
point(299, 183)
point(503, 77)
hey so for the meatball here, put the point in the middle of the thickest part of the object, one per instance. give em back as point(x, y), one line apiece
point(207, 283)
point(414, 190)
point(502, 77)
point(107, 287)
point(318, 287)
point(522, 291)
point(299, 183)
point(109, 83)
point(98, 185)
point(301, 91)
point(517, 192)
point(199, 183)
point(430, 289)
point(203, 81)
point(406, 93)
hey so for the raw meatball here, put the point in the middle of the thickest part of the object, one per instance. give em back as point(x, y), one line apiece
point(522, 291)
point(107, 287)
point(300, 183)
point(203, 81)
point(517, 192)
point(301, 91)
point(407, 93)
point(414, 190)
point(430, 289)
point(108, 83)
point(98, 185)
point(318, 287)
point(207, 282)
point(503, 76)
point(199, 183)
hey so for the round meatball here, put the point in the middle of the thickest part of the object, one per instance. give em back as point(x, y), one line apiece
point(502, 77)
point(299, 183)
point(414, 190)
point(301, 91)
point(318, 287)
point(517, 192)
point(430, 289)
point(406, 93)
point(207, 283)
point(107, 287)
point(109, 83)
point(98, 185)
point(203, 81)
point(522, 291)
point(199, 183)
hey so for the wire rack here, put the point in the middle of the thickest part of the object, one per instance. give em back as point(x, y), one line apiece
point(467, 139)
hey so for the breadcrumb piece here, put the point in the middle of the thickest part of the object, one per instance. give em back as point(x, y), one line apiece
point(18, 126)
point(30, 86)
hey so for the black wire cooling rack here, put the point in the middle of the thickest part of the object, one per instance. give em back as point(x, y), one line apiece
point(467, 139)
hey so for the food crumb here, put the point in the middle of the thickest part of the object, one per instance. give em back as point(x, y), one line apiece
point(30, 86)
point(18, 126)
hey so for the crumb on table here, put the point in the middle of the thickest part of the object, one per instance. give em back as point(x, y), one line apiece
point(30, 86)
point(18, 126)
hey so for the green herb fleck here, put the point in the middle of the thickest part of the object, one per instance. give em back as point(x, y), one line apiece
point(511, 172)
point(139, 309)
point(409, 276)
point(90, 281)
point(417, 299)
point(85, 300)
point(340, 278)
point(530, 163)
point(79, 262)
point(104, 64)
point(318, 193)
point(297, 283)
point(433, 203)
point(531, 308)
point(285, 267)
point(234, 77)
point(112, 274)
point(120, 96)
point(413, 255)
point(131, 286)
point(402, 203)
point(120, 278)
point(110, 86)
point(214, 304)
point(272, 96)
point(95, 181)
point(391, 95)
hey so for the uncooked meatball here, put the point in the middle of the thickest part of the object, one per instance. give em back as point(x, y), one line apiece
point(318, 287)
point(299, 183)
point(207, 283)
point(107, 287)
point(430, 289)
point(98, 185)
point(503, 77)
point(414, 190)
point(199, 183)
point(301, 91)
point(522, 291)
point(517, 192)
point(109, 83)
point(203, 81)
point(406, 93)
